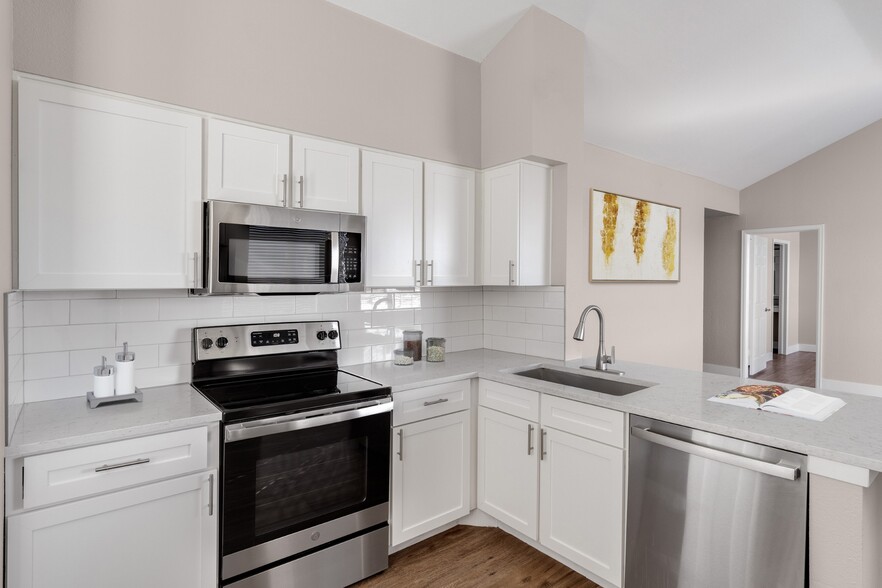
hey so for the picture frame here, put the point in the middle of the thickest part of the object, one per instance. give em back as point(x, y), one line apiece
point(633, 239)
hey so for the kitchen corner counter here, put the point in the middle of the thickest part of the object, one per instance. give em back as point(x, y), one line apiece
point(54, 425)
point(850, 436)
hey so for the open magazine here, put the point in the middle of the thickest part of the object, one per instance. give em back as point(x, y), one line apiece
point(773, 398)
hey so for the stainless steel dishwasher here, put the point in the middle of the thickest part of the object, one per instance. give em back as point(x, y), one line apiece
point(706, 511)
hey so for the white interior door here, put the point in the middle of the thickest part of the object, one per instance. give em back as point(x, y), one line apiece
point(760, 308)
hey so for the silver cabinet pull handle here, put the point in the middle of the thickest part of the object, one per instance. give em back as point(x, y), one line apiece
point(284, 197)
point(196, 276)
point(529, 439)
point(418, 272)
point(432, 402)
point(301, 181)
point(400, 445)
point(430, 270)
point(116, 466)
point(734, 459)
point(210, 494)
point(542, 452)
point(511, 279)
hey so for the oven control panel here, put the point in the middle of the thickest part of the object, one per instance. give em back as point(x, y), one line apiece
point(264, 339)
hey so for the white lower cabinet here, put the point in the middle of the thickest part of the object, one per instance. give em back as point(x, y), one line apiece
point(581, 501)
point(508, 473)
point(431, 458)
point(160, 534)
point(565, 490)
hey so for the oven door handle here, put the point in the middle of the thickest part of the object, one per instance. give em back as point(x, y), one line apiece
point(308, 420)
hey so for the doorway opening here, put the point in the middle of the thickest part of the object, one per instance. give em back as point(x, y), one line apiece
point(781, 302)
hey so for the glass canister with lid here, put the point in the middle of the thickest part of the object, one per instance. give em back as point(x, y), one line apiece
point(413, 342)
point(435, 348)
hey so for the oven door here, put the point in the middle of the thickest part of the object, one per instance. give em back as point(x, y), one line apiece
point(296, 482)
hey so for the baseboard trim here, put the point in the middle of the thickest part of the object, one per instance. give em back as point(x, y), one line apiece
point(791, 349)
point(852, 387)
point(724, 370)
point(807, 347)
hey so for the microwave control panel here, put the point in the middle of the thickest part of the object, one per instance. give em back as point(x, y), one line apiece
point(350, 258)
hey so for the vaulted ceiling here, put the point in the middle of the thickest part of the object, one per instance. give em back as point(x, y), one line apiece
point(728, 91)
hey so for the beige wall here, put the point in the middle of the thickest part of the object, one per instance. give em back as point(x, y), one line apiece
point(653, 323)
point(306, 65)
point(841, 188)
point(808, 288)
point(532, 93)
point(5, 194)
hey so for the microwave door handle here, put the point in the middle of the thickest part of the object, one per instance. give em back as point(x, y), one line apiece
point(335, 258)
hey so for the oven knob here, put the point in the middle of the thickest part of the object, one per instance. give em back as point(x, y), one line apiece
point(333, 335)
point(321, 335)
point(222, 342)
point(206, 343)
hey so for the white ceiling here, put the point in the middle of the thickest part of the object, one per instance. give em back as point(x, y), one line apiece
point(728, 91)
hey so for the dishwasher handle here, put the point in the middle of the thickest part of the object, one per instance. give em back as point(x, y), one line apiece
point(734, 459)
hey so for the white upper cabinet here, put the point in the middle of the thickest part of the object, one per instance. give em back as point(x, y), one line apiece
point(110, 191)
point(325, 175)
point(517, 225)
point(392, 193)
point(449, 227)
point(248, 164)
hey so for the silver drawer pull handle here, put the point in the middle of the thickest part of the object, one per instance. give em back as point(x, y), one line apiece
point(439, 401)
point(116, 466)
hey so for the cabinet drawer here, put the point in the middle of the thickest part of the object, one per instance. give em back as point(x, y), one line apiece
point(63, 475)
point(512, 400)
point(430, 401)
point(585, 420)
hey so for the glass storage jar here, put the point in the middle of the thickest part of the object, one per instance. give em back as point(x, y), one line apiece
point(402, 357)
point(435, 348)
point(413, 342)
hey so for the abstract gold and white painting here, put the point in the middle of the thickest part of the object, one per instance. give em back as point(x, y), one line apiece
point(633, 240)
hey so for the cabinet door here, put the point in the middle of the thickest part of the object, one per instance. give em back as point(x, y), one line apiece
point(508, 471)
point(247, 164)
point(430, 475)
point(581, 514)
point(325, 175)
point(109, 191)
point(392, 189)
point(501, 197)
point(449, 225)
point(534, 226)
point(162, 534)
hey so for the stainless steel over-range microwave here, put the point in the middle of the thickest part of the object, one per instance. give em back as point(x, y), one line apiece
point(253, 249)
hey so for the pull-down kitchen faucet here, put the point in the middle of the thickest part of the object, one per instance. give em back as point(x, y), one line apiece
point(603, 360)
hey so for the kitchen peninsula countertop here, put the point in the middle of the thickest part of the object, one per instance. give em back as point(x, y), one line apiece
point(54, 425)
point(851, 435)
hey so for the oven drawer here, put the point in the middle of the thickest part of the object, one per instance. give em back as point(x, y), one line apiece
point(430, 401)
point(65, 475)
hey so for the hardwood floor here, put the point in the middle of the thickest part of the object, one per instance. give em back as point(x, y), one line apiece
point(797, 369)
point(474, 556)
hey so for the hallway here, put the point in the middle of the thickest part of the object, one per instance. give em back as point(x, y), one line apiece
point(797, 369)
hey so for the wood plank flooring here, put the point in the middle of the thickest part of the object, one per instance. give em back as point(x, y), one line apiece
point(474, 556)
point(797, 369)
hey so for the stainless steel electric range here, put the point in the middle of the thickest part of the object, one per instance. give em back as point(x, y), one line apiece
point(305, 457)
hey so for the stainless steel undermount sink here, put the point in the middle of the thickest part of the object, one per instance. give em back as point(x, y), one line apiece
point(583, 381)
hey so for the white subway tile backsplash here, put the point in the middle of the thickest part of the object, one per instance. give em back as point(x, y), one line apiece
point(364, 337)
point(55, 388)
point(442, 314)
point(524, 331)
point(545, 316)
point(468, 313)
point(174, 309)
point(306, 304)
point(465, 343)
point(327, 303)
point(46, 365)
point(353, 355)
point(350, 321)
point(554, 299)
point(382, 352)
point(509, 344)
point(38, 313)
point(162, 376)
point(390, 318)
point(114, 310)
point(153, 332)
point(67, 337)
point(532, 299)
point(407, 300)
point(263, 305)
point(476, 327)
point(552, 333)
point(152, 293)
point(173, 354)
point(496, 328)
point(511, 314)
point(546, 349)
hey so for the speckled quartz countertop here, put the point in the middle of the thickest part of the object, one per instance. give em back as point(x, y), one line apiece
point(53, 425)
point(852, 435)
